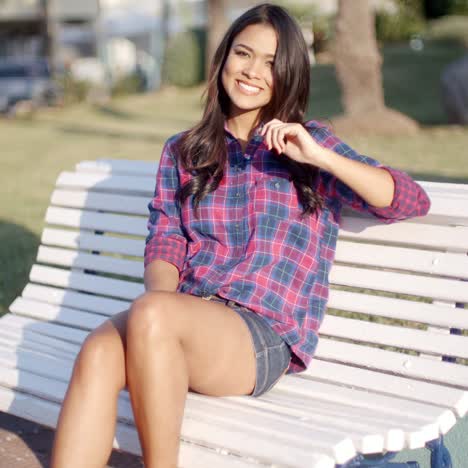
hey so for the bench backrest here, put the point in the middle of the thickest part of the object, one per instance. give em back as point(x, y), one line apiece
point(396, 290)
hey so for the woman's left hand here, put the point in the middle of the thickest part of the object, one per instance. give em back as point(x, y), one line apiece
point(294, 141)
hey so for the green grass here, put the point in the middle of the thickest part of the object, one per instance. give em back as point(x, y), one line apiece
point(35, 151)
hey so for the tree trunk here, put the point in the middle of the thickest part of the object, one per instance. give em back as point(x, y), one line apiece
point(50, 32)
point(358, 67)
point(216, 27)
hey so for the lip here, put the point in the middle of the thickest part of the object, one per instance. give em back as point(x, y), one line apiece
point(249, 93)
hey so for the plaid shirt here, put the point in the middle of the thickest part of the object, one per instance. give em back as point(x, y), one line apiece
point(250, 246)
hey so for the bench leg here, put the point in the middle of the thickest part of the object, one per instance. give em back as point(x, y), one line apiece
point(381, 461)
point(440, 456)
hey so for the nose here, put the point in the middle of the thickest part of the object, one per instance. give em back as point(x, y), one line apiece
point(252, 69)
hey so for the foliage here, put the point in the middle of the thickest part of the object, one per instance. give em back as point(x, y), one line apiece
point(73, 90)
point(129, 84)
point(183, 64)
point(437, 8)
point(407, 22)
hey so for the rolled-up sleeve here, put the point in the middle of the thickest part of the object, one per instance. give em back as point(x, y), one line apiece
point(165, 240)
point(409, 198)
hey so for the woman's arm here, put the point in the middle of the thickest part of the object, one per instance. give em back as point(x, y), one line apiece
point(161, 276)
point(375, 185)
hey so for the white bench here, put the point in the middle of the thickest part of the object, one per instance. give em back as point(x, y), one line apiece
point(356, 398)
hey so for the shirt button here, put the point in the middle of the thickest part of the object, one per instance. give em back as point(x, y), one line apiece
point(238, 194)
point(277, 185)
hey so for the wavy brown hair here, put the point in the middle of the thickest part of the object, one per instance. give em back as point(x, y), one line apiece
point(202, 150)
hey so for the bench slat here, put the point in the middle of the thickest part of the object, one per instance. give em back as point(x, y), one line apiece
point(391, 335)
point(59, 314)
point(73, 299)
point(126, 437)
point(93, 242)
point(391, 361)
point(231, 425)
point(100, 263)
point(143, 186)
point(86, 282)
point(101, 201)
point(423, 261)
point(436, 288)
point(401, 309)
point(453, 238)
point(120, 224)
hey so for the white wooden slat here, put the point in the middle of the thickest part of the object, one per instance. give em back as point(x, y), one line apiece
point(368, 442)
point(58, 314)
point(107, 183)
point(67, 334)
point(13, 341)
point(86, 282)
point(101, 201)
point(50, 367)
point(223, 427)
point(442, 419)
point(389, 426)
point(390, 361)
point(437, 288)
point(444, 187)
point(123, 166)
point(401, 309)
point(100, 263)
point(435, 263)
point(17, 333)
point(93, 242)
point(405, 233)
point(425, 392)
point(126, 437)
point(106, 222)
point(392, 335)
point(61, 370)
point(75, 300)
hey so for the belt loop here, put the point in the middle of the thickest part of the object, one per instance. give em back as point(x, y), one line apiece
point(207, 298)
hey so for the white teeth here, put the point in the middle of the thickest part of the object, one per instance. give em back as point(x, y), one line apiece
point(247, 87)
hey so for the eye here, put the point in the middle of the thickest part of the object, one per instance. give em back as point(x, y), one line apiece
point(241, 53)
point(271, 63)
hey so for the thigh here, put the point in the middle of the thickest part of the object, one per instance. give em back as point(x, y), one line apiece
point(217, 343)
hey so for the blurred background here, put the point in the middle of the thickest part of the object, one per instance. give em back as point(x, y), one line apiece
point(115, 78)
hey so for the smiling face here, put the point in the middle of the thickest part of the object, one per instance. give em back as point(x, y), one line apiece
point(247, 75)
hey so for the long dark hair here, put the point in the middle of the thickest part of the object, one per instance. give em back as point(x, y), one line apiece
point(202, 150)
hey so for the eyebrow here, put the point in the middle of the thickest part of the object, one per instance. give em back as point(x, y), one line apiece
point(251, 50)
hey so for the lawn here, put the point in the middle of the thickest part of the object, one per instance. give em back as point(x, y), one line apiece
point(35, 151)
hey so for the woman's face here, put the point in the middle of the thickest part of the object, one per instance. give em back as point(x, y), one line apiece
point(247, 75)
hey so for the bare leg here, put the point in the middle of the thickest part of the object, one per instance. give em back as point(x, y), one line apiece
point(86, 425)
point(175, 341)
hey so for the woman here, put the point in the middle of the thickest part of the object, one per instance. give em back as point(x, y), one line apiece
point(243, 226)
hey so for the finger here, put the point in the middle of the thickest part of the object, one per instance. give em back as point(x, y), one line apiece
point(274, 137)
point(277, 135)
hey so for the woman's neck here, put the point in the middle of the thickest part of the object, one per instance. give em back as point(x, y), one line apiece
point(242, 125)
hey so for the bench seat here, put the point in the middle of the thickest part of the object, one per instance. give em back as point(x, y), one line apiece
point(391, 368)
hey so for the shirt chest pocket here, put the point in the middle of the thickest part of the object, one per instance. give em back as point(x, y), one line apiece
point(273, 199)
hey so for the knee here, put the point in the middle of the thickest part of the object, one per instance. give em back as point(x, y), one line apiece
point(94, 357)
point(150, 318)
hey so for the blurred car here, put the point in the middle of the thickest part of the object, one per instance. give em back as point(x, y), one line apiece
point(26, 80)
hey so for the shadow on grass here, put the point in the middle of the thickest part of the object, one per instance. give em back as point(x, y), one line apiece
point(114, 134)
point(18, 247)
point(115, 113)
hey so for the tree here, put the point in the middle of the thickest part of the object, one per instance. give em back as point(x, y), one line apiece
point(217, 25)
point(358, 66)
point(50, 31)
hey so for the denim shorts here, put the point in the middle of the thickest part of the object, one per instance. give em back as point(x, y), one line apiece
point(273, 354)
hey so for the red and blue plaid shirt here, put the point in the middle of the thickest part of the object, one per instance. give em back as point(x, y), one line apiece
point(249, 244)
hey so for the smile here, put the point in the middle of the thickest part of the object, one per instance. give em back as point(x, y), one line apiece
point(247, 89)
